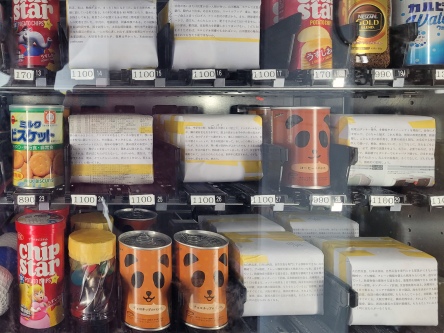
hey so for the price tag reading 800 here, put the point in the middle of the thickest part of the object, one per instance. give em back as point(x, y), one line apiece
point(383, 74)
point(382, 200)
point(203, 200)
point(82, 74)
point(437, 201)
point(25, 200)
point(24, 74)
point(84, 200)
point(142, 199)
point(320, 200)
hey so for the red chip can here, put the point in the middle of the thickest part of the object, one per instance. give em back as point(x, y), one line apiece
point(41, 258)
point(313, 46)
point(35, 24)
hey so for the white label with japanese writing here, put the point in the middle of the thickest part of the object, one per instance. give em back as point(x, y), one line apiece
point(112, 34)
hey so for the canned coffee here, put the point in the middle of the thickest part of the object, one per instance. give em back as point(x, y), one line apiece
point(129, 219)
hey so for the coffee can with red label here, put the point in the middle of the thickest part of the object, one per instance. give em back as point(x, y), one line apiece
point(35, 24)
point(41, 261)
point(305, 132)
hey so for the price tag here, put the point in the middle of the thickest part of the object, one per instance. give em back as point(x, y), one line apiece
point(82, 74)
point(320, 200)
point(24, 74)
point(439, 74)
point(25, 200)
point(339, 73)
point(203, 74)
point(143, 74)
point(203, 200)
point(264, 74)
point(383, 74)
point(142, 199)
point(382, 200)
point(84, 200)
point(322, 74)
point(437, 201)
point(263, 200)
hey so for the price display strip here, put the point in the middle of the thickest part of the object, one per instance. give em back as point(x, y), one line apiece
point(145, 76)
point(41, 200)
point(142, 199)
point(334, 202)
point(333, 77)
point(263, 200)
point(436, 201)
point(216, 200)
point(25, 199)
point(91, 76)
point(438, 77)
point(218, 76)
point(84, 199)
point(277, 76)
point(394, 76)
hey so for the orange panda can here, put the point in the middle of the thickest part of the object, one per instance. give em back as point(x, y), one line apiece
point(146, 273)
point(202, 271)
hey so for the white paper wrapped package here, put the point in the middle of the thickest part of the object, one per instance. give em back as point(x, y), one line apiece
point(215, 34)
point(238, 223)
point(321, 224)
point(396, 284)
point(214, 148)
point(283, 274)
point(125, 38)
point(111, 149)
point(393, 150)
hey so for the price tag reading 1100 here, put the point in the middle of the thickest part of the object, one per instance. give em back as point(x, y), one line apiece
point(142, 199)
point(437, 201)
point(263, 199)
point(382, 200)
point(84, 200)
point(203, 200)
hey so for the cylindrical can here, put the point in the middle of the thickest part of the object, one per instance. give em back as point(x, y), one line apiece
point(305, 132)
point(92, 261)
point(129, 219)
point(202, 271)
point(36, 27)
point(146, 274)
point(269, 13)
point(41, 269)
point(91, 220)
point(267, 128)
point(313, 46)
point(62, 210)
point(37, 139)
point(428, 47)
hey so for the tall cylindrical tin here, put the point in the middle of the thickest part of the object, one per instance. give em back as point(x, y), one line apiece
point(202, 271)
point(129, 219)
point(37, 139)
point(305, 132)
point(41, 269)
point(313, 46)
point(267, 128)
point(36, 28)
point(146, 271)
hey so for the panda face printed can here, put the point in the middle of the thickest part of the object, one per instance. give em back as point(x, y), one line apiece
point(146, 274)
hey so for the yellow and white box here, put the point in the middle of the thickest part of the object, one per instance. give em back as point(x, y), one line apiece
point(214, 148)
point(283, 274)
point(212, 34)
point(393, 150)
point(238, 223)
point(396, 283)
point(321, 224)
point(111, 149)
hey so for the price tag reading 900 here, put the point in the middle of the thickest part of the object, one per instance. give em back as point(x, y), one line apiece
point(437, 201)
point(383, 74)
point(203, 200)
point(25, 200)
point(263, 199)
point(142, 199)
point(382, 200)
point(23, 74)
point(84, 200)
point(82, 74)
point(320, 200)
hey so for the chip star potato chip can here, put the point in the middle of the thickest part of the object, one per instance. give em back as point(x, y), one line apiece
point(37, 140)
point(146, 272)
point(202, 271)
point(41, 259)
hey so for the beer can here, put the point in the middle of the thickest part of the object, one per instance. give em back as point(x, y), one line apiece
point(37, 140)
point(313, 46)
point(265, 113)
point(305, 132)
point(202, 271)
point(129, 219)
point(36, 27)
point(41, 269)
point(146, 272)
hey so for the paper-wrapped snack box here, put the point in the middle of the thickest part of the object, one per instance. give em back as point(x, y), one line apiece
point(111, 149)
point(238, 223)
point(214, 148)
point(283, 274)
point(321, 224)
point(397, 284)
point(393, 150)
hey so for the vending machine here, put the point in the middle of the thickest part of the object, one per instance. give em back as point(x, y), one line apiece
point(250, 166)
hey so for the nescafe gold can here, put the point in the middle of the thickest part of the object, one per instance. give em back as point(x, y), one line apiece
point(202, 271)
point(146, 271)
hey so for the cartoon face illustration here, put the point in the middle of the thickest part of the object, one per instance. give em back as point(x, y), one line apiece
point(39, 295)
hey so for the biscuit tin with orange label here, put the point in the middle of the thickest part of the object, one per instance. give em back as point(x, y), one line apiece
point(37, 139)
point(146, 272)
point(202, 271)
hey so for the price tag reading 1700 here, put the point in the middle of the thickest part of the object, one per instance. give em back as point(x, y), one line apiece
point(437, 201)
point(320, 200)
point(23, 74)
point(383, 74)
point(142, 199)
point(263, 199)
point(143, 74)
point(322, 74)
point(84, 200)
point(25, 200)
point(203, 200)
point(382, 200)
point(203, 74)
point(82, 74)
